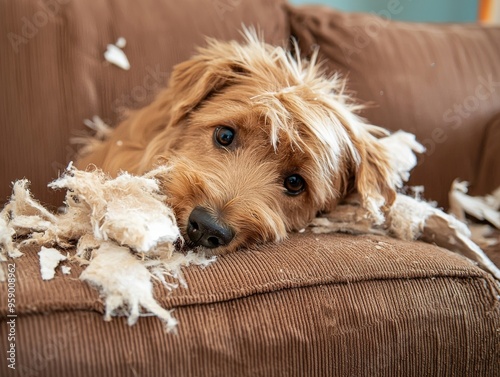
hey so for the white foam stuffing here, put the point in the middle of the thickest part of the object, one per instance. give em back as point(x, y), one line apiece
point(115, 55)
point(123, 231)
point(403, 147)
point(127, 209)
point(49, 260)
point(121, 42)
point(128, 288)
point(66, 270)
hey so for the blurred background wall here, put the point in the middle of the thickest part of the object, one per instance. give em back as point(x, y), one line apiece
point(409, 10)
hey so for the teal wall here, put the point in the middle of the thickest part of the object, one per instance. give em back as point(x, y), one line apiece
point(408, 10)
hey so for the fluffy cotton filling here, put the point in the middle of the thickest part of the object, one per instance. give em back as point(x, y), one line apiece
point(123, 232)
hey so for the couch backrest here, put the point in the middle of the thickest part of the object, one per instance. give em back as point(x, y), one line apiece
point(53, 74)
point(439, 81)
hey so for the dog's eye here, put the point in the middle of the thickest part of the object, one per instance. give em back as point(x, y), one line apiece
point(294, 184)
point(224, 136)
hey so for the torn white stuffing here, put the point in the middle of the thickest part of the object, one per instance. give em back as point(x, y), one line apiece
point(49, 260)
point(173, 267)
point(446, 231)
point(403, 147)
point(482, 208)
point(66, 270)
point(127, 209)
point(123, 231)
point(127, 288)
point(116, 56)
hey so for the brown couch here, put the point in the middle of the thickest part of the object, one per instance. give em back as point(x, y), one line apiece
point(329, 305)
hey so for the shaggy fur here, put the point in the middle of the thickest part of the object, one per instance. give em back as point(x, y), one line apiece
point(288, 118)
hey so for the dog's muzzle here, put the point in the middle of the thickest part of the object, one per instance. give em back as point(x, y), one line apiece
point(203, 229)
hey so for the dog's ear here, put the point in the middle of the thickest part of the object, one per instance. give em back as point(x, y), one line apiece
point(364, 171)
point(197, 79)
point(373, 175)
point(384, 164)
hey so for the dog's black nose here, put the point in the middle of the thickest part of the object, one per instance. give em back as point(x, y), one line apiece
point(203, 229)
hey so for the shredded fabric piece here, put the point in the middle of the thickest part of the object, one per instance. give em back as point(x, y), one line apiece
point(6, 244)
point(123, 232)
point(49, 260)
point(403, 146)
point(127, 209)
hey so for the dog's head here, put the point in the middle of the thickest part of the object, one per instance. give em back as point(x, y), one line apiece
point(259, 143)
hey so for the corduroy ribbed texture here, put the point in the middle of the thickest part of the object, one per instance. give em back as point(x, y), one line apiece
point(312, 306)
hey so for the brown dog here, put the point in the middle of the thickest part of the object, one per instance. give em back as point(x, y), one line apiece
point(258, 143)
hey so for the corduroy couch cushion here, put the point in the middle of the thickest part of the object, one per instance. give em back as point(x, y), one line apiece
point(440, 82)
point(53, 74)
point(328, 305)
